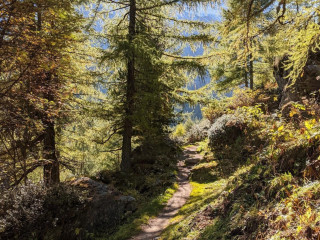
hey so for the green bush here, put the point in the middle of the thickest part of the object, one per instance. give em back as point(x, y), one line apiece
point(198, 132)
point(225, 130)
point(180, 131)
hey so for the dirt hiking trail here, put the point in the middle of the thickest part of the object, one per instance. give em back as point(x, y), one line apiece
point(155, 226)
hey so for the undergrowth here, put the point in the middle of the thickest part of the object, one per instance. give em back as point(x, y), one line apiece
point(149, 209)
point(258, 181)
point(152, 182)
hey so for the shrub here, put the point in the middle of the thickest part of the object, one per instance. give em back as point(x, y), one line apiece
point(242, 97)
point(20, 209)
point(180, 131)
point(34, 210)
point(188, 124)
point(198, 131)
point(225, 130)
point(214, 110)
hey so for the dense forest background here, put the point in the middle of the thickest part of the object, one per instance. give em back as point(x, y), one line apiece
point(99, 97)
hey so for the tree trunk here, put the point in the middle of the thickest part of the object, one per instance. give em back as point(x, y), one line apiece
point(251, 71)
point(51, 169)
point(246, 84)
point(128, 121)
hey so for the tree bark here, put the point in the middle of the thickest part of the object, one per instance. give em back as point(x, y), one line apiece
point(51, 170)
point(246, 84)
point(128, 121)
point(251, 71)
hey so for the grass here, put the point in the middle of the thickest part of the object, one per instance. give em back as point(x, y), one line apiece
point(184, 225)
point(280, 209)
point(188, 224)
point(261, 188)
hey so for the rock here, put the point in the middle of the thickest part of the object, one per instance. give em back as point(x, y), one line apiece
point(94, 186)
point(308, 82)
point(127, 199)
point(106, 207)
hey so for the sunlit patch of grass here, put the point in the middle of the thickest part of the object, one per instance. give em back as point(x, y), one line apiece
point(206, 165)
point(205, 172)
point(203, 146)
point(201, 196)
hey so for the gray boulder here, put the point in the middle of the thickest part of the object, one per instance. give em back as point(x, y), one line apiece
point(106, 207)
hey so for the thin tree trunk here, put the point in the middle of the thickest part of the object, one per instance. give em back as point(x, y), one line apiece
point(24, 146)
point(251, 70)
point(246, 78)
point(128, 124)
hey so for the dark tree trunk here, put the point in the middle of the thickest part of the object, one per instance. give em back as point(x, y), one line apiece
point(246, 78)
point(128, 121)
point(251, 71)
point(51, 171)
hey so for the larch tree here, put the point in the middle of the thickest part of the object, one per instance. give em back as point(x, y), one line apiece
point(144, 69)
point(35, 69)
point(253, 33)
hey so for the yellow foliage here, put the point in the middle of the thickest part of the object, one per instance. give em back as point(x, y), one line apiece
point(180, 131)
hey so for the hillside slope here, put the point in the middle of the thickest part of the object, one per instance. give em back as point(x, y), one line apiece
point(258, 178)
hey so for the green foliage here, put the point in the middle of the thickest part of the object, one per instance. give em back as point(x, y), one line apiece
point(37, 74)
point(188, 124)
point(241, 97)
point(225, 130)
point(213, 110)
point(198, 131)
point(180, 131)
point(252, 34)
point(70, 72)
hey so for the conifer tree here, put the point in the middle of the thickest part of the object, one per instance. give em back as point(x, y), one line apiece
point(253, 33)
point(144, 67)
point(35, 67)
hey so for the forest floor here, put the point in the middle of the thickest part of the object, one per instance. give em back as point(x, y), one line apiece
point(155, 226)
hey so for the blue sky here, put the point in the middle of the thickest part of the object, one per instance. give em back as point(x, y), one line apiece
point(208, 14)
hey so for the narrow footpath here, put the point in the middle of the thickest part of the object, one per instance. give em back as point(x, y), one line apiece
point(154, 228)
